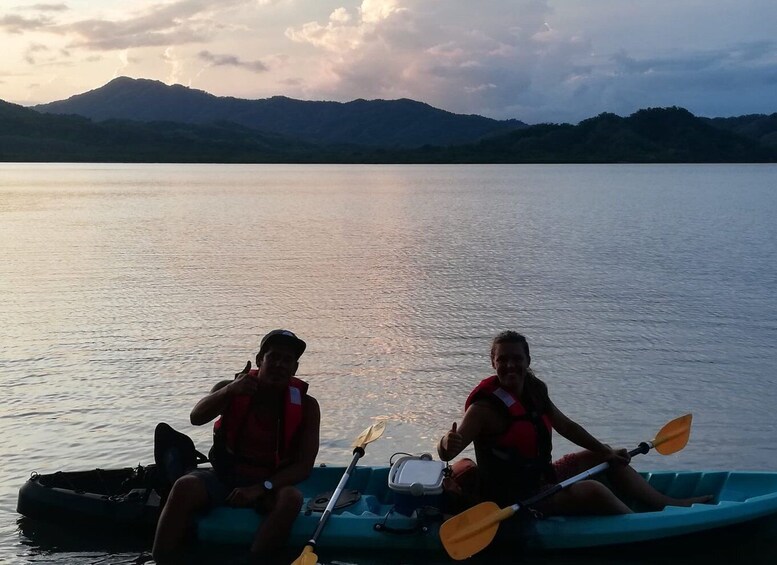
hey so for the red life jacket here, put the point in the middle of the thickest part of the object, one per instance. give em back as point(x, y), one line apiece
point(516, 461)
point(238, 457)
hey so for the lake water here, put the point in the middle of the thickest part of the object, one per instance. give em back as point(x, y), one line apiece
point(126, 291)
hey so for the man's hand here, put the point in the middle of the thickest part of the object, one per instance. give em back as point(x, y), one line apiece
point(245, 369)
point(244, 383)
point(245, 497)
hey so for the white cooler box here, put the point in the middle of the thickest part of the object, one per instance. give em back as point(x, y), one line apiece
point(416, 481)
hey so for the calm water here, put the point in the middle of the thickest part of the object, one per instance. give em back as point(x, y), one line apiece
point(127, 290)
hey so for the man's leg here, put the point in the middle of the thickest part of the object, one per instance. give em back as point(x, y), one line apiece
point(277, 524)
point(188, 496)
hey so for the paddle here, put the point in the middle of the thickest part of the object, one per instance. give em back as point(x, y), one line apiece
point(307, 557)
point(471, 531)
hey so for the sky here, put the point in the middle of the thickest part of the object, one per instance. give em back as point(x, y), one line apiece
point(532, 60)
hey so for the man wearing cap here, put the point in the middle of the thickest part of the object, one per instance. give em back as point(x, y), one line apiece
point(265, 440)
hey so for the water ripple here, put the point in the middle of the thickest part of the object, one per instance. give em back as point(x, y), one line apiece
point(144, 285)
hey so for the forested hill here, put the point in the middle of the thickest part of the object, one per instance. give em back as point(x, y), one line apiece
point(755, 126)
point(655, 135)
point(376, 123)
point(658, 135)
point(27, 135)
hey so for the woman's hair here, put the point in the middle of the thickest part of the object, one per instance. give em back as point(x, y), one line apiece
point(509, 336)
point(535, 391)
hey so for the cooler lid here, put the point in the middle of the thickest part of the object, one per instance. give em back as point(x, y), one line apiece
point(409, 471)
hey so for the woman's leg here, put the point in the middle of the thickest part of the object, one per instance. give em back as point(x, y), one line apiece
point(626, 481)
point(581, 499)
point(631, 484)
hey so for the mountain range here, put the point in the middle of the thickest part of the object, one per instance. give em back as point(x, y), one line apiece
point(131, 120)
point(372, 123)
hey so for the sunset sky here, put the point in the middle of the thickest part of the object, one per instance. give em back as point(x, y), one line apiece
point(534, 60)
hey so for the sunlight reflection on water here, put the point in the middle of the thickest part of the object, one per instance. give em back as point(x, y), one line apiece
point(128, 290)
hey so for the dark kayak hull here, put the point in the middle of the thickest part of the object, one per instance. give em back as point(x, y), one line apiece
point(117, 499)
point(123, 499)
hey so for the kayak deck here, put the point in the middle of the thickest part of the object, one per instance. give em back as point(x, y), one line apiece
point(122, 499)
point(370, 522)
point(739, 497)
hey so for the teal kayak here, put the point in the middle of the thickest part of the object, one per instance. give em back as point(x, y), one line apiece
point(373, 521)
point(739, 497)
point(372, 515)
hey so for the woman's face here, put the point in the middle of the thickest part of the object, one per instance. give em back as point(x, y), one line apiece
point(510, 362)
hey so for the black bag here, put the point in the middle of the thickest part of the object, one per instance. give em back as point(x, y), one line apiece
point(174, 455)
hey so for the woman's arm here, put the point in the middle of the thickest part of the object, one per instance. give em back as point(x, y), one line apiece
point(578, 435)
point(479, 419)
point(574, 432)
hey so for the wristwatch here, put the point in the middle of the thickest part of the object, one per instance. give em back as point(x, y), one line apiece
point(267, 487)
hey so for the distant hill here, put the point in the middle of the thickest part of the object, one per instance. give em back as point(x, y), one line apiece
point(656, 135)
point(27, 135)
point(760, 127)
point(374, 123)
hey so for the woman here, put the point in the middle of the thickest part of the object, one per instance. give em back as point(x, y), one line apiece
point(510, 418)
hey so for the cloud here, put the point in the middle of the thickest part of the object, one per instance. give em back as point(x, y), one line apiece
point(467, 59)
point(47, 7)
point(536, 60)
point(231, 61)
point(701, 80)
point(19, 24)
point(345, 32)
point(40, 55)
point(515, 60)
point(34, 48)
point(162, 24)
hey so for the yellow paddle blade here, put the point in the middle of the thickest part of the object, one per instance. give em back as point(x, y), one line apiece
point(307, 557)
point(370, 434)
point(673, 436)
point(471, 531)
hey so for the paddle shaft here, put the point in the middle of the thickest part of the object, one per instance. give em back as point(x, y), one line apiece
point(642, 448)
point(358, 452)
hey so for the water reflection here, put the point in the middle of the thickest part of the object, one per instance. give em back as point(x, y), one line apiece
point(128, 290)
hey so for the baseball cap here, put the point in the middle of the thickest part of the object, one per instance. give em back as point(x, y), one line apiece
point(283, 335)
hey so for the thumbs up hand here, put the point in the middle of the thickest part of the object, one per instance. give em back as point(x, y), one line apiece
point(452, 442)
point(245, 370)
point(244, 382)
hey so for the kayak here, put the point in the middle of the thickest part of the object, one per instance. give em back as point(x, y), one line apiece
point(372, 515)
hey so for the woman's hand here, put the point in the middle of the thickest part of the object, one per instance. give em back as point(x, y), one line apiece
point(616, 456)
point(452, 441)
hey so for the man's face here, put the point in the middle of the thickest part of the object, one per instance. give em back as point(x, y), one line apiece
point(277, 365)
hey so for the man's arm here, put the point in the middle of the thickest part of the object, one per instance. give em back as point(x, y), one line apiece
point(216, 401)
point(211, 405)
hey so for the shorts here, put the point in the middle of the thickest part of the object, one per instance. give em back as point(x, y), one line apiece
point(217, 490)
